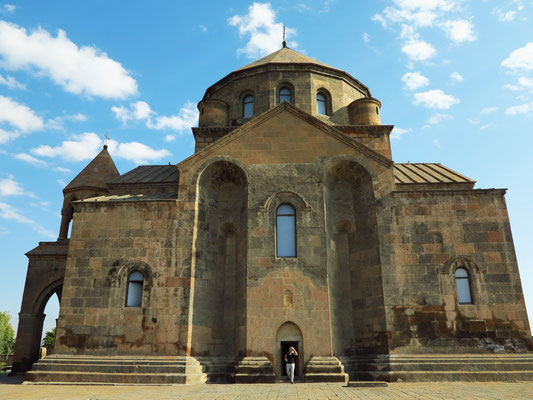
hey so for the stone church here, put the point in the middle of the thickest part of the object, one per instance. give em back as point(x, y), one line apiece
point(290, 225)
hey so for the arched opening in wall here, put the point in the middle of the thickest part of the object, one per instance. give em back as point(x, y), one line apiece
point(220, 266)
point(51, 314)
point(354, 266)
point(289, 335)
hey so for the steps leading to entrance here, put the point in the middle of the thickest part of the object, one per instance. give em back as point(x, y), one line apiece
point(254, 370)
point(325, 369)
point(117, 370)
point(441, 367)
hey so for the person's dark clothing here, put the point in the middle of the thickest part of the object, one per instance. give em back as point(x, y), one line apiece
point(291, 358)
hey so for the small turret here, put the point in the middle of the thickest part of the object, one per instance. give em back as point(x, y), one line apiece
point(90, 182)
point(365, 111)
point(213, 113)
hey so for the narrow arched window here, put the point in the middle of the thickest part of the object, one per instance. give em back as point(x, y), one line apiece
point(462, 282)
point(285, 95)
point(286, 231)
point(134, 296)
point(248, 106)
point(321, 104)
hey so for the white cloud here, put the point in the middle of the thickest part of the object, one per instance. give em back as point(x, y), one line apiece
point(30, 159)
point(10, 187)
point(203, 28)
point(486, 126)
point(59, 122)
point(435, 99)
point(397, 133)
point(10, 213)
point(61, 169)
point(6, 136)
point(415, 80)
point(170, 138)
point(8, 8)
point(80, 70)
point(264, 33)
point(140, 111)
point(11, 83)
point(437, 143)
point(504, 16)
point(459, 31)
point(86, 146)
point(521, 109)
point(419, 50)
point(436, 119)
point(456, 76)
point(366, 37)
point(489, 110)
point(18, 115)
point(521, 59)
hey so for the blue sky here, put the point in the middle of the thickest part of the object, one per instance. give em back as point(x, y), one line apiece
point(455, 77)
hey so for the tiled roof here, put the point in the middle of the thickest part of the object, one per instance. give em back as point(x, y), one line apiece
point(428, 173)
point(149, 174)
point(132, 197)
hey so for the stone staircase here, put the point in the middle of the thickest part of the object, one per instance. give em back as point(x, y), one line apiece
point(254, 370)
point(116, 370)
point(441, 367)
point(325, 369)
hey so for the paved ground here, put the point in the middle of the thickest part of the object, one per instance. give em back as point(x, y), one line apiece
point(11, 389)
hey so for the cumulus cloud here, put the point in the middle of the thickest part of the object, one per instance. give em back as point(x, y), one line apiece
point(86, 146)
point(459, 31)
point(10, 187)
point(59, 122)
point(186, 117)
point(435, 99)
point(82, 70)
point(456, 76)
point(11, 83)
point(397, 133)
point(419, 50)
point(262, 29)
point(7, 136)
point(521, 109)
point(489, 110)
point(415, 80)
point(30, 159)
point(18, 115)
point(504, 16)
point(11, 213)
point(7, 9)
point(366, 37)
point(520, 59)
point(436, 120)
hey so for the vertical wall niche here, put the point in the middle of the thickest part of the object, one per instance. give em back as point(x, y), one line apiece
point(220, 285)
point(353, 260)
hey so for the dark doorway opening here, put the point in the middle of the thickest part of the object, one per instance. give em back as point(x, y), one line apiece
point(284, 349)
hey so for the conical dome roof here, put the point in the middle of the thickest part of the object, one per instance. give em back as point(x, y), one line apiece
point(285, 56)
point(97, 174)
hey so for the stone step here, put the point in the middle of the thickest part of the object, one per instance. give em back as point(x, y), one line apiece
point(331, 369)
point(118, 368)
point(325, 369)
point(96, 377)
point(327, 377)
point(465, 376)
point(254, 370)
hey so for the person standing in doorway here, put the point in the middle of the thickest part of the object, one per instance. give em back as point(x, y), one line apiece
point(290, 360)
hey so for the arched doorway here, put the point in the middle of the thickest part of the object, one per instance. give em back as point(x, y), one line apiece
point(289, 334)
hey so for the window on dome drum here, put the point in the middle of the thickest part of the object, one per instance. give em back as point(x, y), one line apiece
point(285, 95)
point(286, 231)
point(248, 106)
point(134, 296)
point(321, 104)
point(462, 282)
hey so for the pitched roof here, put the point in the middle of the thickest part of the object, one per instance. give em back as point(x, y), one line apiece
point(149, 174)
point(130, 198)
point(96, 174)
point(285, 56)
point(428, 173)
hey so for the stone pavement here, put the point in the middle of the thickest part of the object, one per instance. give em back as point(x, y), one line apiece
point(11, 389)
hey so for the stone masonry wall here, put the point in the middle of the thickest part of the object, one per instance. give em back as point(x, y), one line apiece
point(108, 242)
point(425, 236)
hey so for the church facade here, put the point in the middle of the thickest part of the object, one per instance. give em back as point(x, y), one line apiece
point(291, 225)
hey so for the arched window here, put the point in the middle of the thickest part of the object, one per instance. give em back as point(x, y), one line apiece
point(321, 104)
point(462, 282)
point(285, 95)
point(286, 231)
point(135, 290)
point(248, 106)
